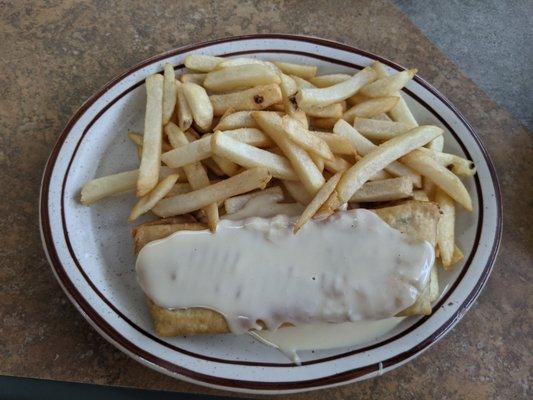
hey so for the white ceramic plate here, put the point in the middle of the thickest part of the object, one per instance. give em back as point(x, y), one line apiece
point(91, 253)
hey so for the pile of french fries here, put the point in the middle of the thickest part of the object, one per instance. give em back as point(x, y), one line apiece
point(228, 130)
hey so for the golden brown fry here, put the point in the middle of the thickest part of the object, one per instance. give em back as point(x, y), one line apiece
point(336, 93)
point(153, 136)
point(300, 70)
point(241, 183)
point(297, 191)
point(337, 165)
point(250, 156)
point(445, 227)
point(200, 105)
point(148, 201)
point(305, 139)
point(337, 143)
point(193, 152)
point(328, 80)
point(240, 77)
point(389, 85)
point(400, 112)
point(195, 172)
point(183, 110)
point(235, 120)
point(325, 124)
point(202, 63)
point(441, 176)
point(381, 130)
point(370, 108)
point(110, 185)
point(193, 78)
point(170, 92)
point(365, 146)
point(319, 199)
point(304, 166)
point(256, 98)
point(376, 160)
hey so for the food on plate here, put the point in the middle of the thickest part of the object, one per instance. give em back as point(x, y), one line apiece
point(279, 207)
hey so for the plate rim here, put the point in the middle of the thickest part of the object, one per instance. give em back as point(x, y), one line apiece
point(279, 387)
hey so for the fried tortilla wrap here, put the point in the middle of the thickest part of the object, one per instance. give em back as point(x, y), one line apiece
point(415, 218)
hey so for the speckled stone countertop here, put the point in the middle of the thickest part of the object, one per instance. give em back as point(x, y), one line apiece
point(54, 55)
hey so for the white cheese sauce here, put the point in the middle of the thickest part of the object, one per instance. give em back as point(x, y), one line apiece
point(323, 336)
point(257, 273)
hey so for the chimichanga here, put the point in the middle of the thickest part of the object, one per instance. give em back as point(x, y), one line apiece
point(415, 218)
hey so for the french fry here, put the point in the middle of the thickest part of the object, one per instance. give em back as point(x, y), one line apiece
point(200, 105)
point(400, 112)
point(325, 124)
point(192, 152)
point(153, 136)
point(240, 61)
point(319, 161)
point(300, 116)
point(170, 92)
point(457, 255)
point(357, 98)
point(376, 160)
point(240, 77)
point(445, 227)
point(241, 183)
point(384, 190)
point(148, 201)
point(236, 203)
point(212, 166)
point(202, 63)
point(251, 136)
point(301, 83)
point(305, 139)
point(228, 167)
point(381, 175)
point(195, 173)
point(300, 70)
point(179, 188)
point(303, 165)
point(370, 108)
point(193, 78)
point(420, 195)
point(336, 93)
point(297, 191)
point(256, 98)
point(337, 165)
point(436, 144)
point(389, 85)
point(288, 90)
point(319, 199)
point(334, 111)
point(106, 186)
point(337, 143)
point(183, 110)
point(385, 117)
point(381, 130)
point(365, 146)
point(250, 156)
point(440, 175)
point(459, 166)
point(328, 80)
point(236, 120)
point(137, 138)
point(433, 284)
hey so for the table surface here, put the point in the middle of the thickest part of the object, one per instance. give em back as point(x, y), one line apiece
point(56, 55)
